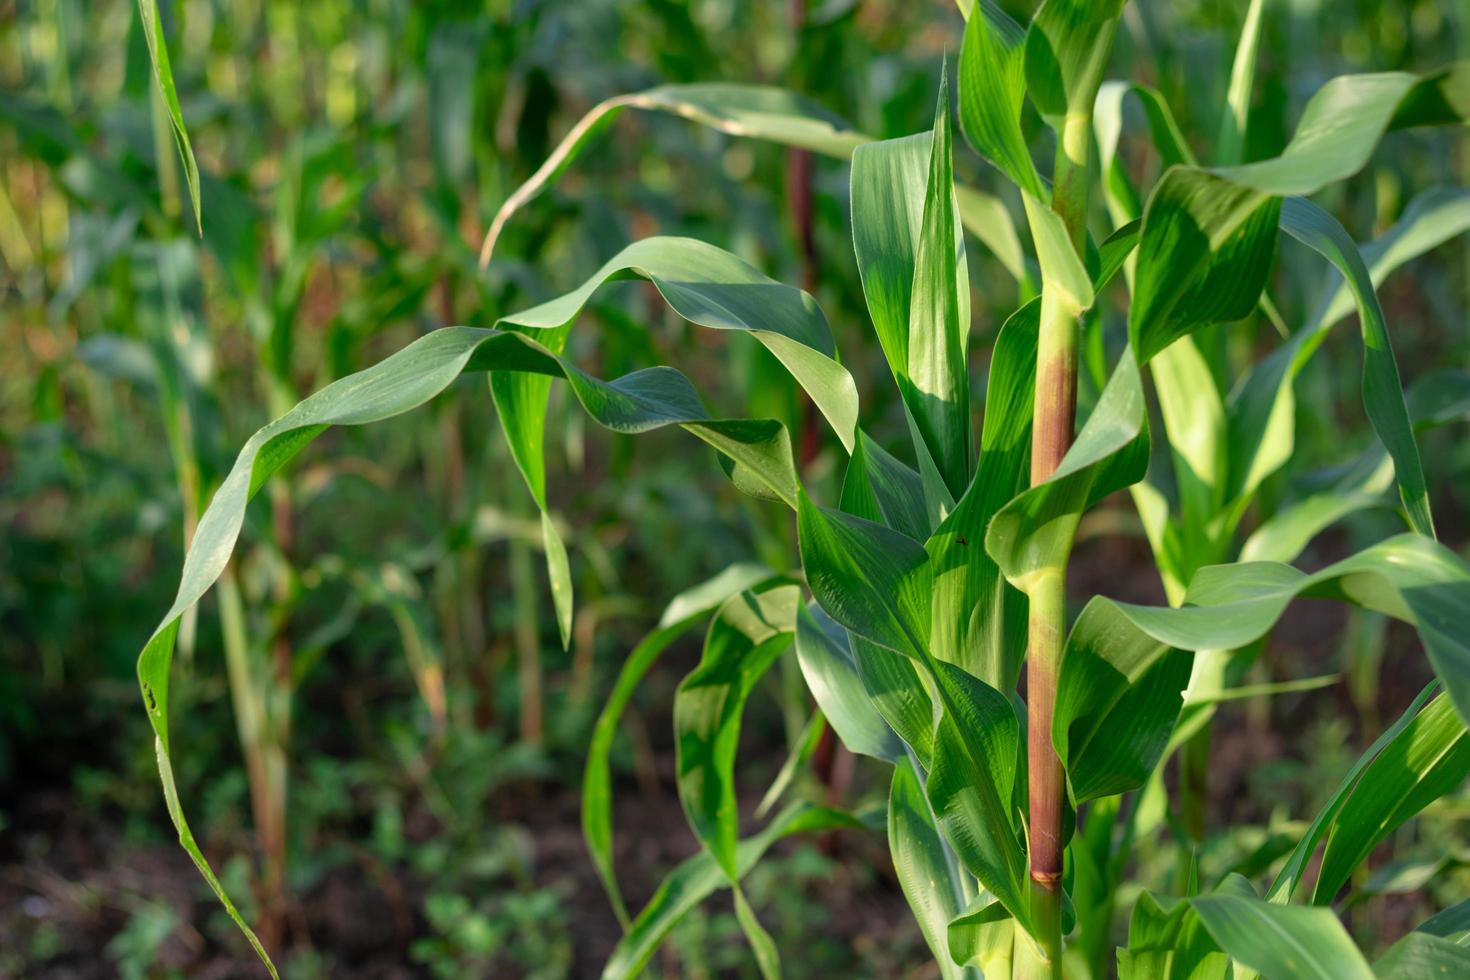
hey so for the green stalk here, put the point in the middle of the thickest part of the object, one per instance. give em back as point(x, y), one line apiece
point(1055, 411)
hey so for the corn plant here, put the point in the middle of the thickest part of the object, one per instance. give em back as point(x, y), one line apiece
point(935, 575)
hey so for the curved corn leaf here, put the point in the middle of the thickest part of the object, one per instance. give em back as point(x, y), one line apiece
point(1067, 48)
point(705, 285)
point(1116, 651)
point(1262, 408)
point(638, 402)
point(1283, 942)
point(971, 785)
point(836, 682)
point(873, 580)
point(978, 620)
point(1419, 955)
point(992, 82)
point(747, 634)
point(1429, 758)
point(682, 612)
point(1291, 873)
point(163, 76)
point(925, 866)
point(878, 487)
point(1383, 393)
point(757, 111)
point(1435, 399)
point(760, 112)
point(699, 877)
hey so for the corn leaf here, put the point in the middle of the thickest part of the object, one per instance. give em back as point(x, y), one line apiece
point(925, 866)
point(681, 613)
point(637, 402)
point(746, 636)
point(698, 877)
point(1116, 646)
point(836, 682)
point(163, 76)
point(1289, 942)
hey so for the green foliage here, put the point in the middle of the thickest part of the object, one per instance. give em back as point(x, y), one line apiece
point(939, 524)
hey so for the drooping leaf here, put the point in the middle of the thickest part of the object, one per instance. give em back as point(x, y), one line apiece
point(1262, 408)
point(757, 112)
point(1118, 645)
point(746, 636)
point(638, 402)
point(681, 613)
point(1383, 394)
point(706, 286)
point(836, 682)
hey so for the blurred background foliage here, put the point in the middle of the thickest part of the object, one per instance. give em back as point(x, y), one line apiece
point(379, 677)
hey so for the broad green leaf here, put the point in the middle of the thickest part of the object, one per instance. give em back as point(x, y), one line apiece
point(1115, 646)
point(911, 261)
point(880, 488)
point(978, 620)
point(638, 402)
point(681, 613)
point(1419, 955)
point(1430, 758)
point(1203, 257)
point(895, 687)
point(874, 581)
point(926, 868)
point(992, 81)
point(835, 680)
point(1118, 695)
point(746, 636)
point(1344, 121)
point(971, 785)
point(1067, 48)
point(1283, 942)
point(163, 76)
point(698, 877)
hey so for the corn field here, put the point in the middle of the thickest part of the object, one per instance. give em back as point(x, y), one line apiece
point(1022, 530)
